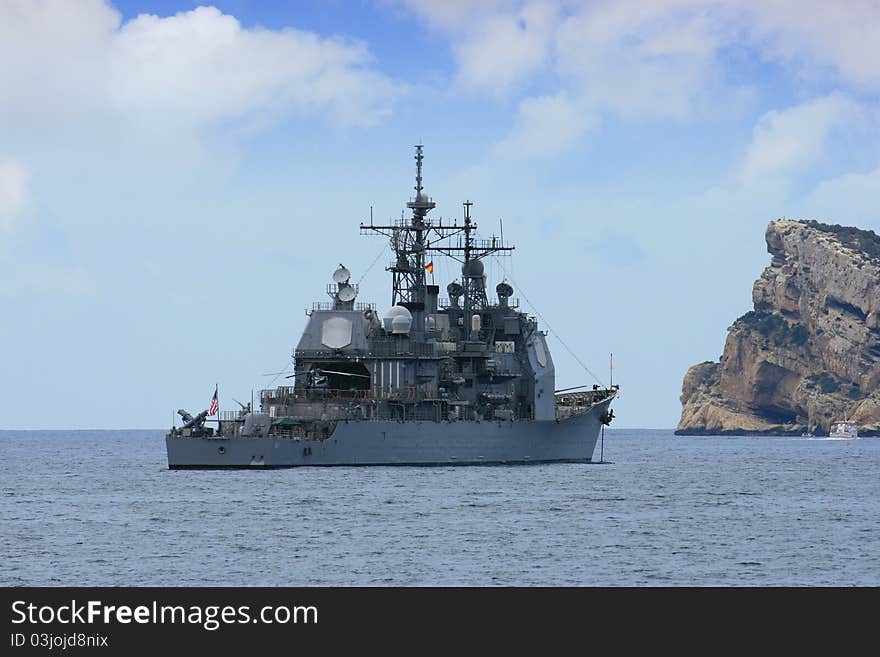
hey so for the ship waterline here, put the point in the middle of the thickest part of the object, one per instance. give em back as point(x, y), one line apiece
point(417, 442)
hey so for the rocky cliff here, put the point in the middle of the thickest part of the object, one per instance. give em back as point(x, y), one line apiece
point(809, 352)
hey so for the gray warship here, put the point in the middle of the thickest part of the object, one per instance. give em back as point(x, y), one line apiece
point(459, 380)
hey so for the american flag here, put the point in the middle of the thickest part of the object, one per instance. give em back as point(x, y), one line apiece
point(214, 403)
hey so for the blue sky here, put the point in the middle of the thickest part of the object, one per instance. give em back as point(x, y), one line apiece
point(178, 181)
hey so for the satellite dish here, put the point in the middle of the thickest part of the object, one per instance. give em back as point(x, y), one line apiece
point(346, 293)
point(341, 275)
point(503, 290)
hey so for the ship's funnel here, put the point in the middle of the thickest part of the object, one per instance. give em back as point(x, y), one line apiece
point(431, 294)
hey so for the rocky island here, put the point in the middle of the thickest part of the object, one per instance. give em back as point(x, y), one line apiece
point(809, 351)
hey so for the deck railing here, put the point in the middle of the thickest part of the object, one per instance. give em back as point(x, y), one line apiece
point(286, 395)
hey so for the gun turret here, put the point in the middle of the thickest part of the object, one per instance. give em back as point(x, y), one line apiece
point(245, 409)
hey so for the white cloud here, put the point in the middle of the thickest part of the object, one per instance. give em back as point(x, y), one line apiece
point(852, 199)
point(843, 37)
point(511, 47)
point(634, 59)
point(497, 45)
point(456, 17)
point(645, 59)
point(13, 183)
point(78, 70)
point(202, 66)
point(545, 126)
point(619, 53)
point(788, 141)
point(656, 60)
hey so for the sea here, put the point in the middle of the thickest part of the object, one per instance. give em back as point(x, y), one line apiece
point(101, 508)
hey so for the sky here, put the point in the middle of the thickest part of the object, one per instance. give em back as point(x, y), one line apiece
point(178, 181)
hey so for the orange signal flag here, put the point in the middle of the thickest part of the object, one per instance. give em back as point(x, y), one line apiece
point(430, 267)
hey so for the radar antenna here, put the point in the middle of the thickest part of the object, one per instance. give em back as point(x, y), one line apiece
point(411, 241)
point(409, 245)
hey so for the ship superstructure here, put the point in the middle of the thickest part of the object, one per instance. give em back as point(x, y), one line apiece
point(460, 379)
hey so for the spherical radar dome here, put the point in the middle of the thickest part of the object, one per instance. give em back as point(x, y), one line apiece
point(472, 269)
point(397, 320)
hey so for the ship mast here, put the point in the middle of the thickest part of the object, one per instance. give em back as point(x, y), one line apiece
point(410, 243)
point(409, 270)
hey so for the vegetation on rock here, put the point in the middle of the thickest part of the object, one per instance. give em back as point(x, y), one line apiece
point(778, 329)
point(825, 382)
point(866, 241)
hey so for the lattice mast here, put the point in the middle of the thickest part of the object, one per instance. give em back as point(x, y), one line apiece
point(410, 244)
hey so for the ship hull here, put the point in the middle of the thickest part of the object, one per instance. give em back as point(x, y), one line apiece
point(401, 443)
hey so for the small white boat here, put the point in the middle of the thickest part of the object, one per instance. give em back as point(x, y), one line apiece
point(844, 430)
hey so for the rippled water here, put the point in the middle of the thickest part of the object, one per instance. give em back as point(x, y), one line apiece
point(101, 508)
